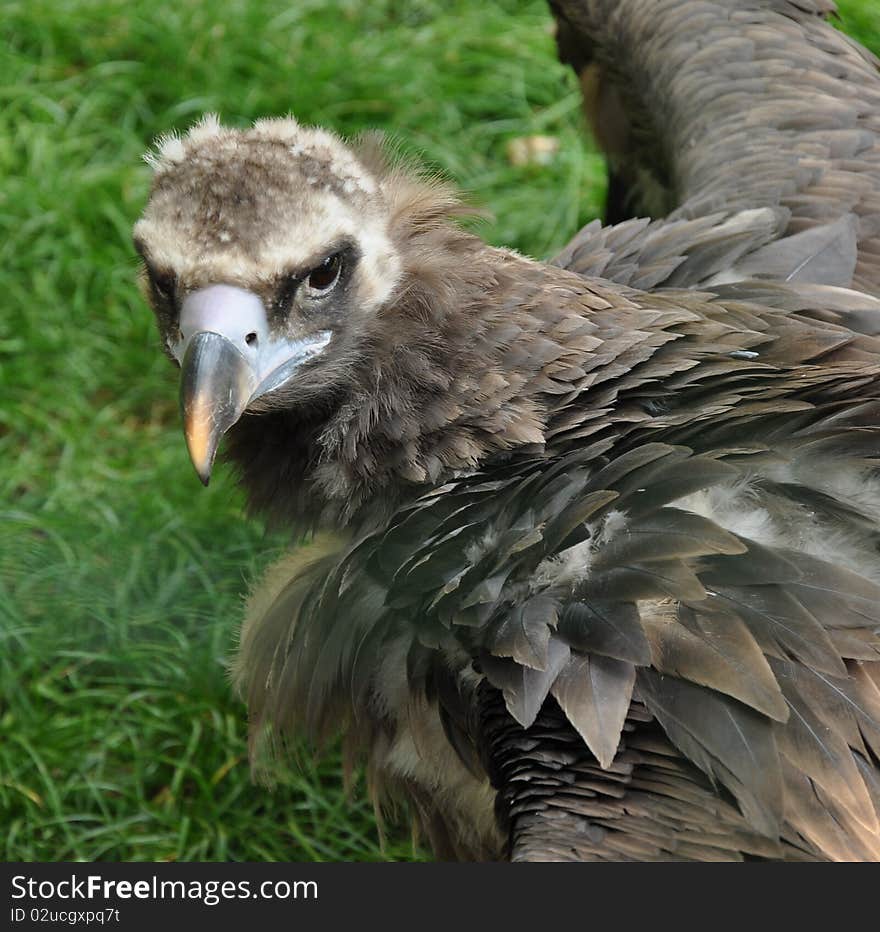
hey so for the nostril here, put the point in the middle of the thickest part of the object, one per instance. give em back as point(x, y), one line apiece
point(251, 339)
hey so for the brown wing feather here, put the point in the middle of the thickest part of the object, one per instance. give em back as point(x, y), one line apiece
point(696, 108)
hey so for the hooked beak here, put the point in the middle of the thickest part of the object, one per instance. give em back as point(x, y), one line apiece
point(215, 387)
point(228, 359)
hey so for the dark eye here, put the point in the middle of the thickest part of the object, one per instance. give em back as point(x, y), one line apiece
point(164, 284)
point(325, 276)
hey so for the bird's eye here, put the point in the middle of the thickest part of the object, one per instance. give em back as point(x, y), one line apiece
point(164, 284)
point(322, 278)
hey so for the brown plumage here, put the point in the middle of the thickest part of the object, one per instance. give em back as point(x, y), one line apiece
point(705, 106)
point(596, 565)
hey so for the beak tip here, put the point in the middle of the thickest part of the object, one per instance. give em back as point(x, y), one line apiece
point(203, 463)
point(201, 452)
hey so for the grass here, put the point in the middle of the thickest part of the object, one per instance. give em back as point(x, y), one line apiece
point(120, 578)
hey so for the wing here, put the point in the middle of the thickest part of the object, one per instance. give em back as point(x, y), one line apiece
point(719, 688)
point(756, 661)
point(704, 110)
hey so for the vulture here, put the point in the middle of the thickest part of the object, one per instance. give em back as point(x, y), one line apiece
point(589, 560)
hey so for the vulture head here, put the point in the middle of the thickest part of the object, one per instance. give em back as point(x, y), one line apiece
point(281, 264)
